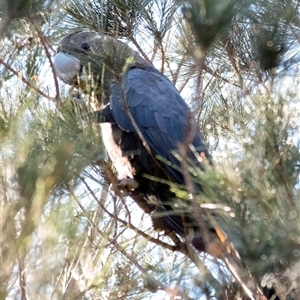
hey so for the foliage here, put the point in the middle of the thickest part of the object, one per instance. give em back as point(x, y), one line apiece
point(65, 235)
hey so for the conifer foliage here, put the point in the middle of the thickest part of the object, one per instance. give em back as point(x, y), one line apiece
point(64, 235)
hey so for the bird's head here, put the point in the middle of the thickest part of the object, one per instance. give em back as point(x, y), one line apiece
point(90, 59)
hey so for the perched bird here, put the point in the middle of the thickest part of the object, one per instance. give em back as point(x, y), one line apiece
point(148, 130)
point(144, 121)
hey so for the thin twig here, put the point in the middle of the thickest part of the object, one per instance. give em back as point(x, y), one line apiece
point(22, 278)
point(7, 66)
point(230, 52)
point(48, 55)
point(183, 151)
point(132, 259)
point(129, 224)
point(163, 57)
point(136, 44)
point(105, 168)
point(215, 74)
point(175, 75)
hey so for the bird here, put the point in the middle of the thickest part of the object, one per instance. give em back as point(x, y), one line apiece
point(144, 122)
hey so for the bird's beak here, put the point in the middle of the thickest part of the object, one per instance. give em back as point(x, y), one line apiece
point(67, 67)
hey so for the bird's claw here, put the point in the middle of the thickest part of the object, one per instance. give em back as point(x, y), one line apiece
point(124, 186)
point(128, 183)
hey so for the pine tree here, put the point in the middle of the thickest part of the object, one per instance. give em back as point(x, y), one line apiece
point(64, 235)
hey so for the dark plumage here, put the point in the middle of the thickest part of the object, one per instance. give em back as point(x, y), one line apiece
point(144, 120)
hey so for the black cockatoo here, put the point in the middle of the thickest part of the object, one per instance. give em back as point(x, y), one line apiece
point(143, 120)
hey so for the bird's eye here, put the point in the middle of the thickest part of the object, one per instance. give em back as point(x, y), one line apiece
point(85, 46)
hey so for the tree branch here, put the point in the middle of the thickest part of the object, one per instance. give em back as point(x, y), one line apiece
point(129, 224)
point(16, 73)
point(175, 292)
point(46, 48)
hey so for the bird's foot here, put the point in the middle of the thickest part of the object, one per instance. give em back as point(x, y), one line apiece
point(124, 186)
point(128, 183)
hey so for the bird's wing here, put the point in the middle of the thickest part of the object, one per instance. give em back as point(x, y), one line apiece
point(157, 109)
